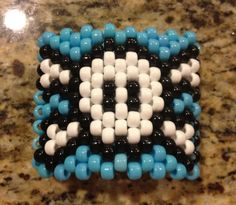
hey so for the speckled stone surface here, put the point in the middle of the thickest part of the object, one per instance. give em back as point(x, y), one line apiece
point(215, 23)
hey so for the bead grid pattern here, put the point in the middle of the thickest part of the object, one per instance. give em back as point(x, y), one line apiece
point(117, 101)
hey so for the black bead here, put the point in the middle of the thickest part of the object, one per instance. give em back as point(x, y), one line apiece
point(169, 145)
point(158, 137)
point(65, 62)
point(167, 96)
point(60, 155)
point(134, 152)
point(154, 61)
point(40, 155)
point(75, 67)
point(73, 114)
point(146, 144)
point(96, 145)
point(189, 164)
point(193, 51)
point(133, 88)
point(188, 115)
point(157, 120)
point(184, 56)
point(108, 104)
point(38, 85)
point(43, 139)
point(185, 85)
point(74, 84)
point(196, 156)
point(74, 98)
point(196, 125)
point(179, 121)
point(133, 103)
point(174, 62)
point(55, 86)
point(196, 94)
point(109, 88)
point(39, 71)
point(120, 51)
point(50, 163)
point(85, 120)
point(169, 114)
point(72, 145)
point(46, 95)
point(84, 137)
point(121, 145)
point(55, 57)
point(165, 68)
point(54, 116)
point(86, 60)
point(166, 83)
point(108, 153)
point(64, 91)
point(109, 44)
point(63, 122)
point(98, 51)
point(131, 44)
point(176, 91)
point(142, 52)
point(180, 155)
point(45, 51)
point(44, 124)
point(196, 139)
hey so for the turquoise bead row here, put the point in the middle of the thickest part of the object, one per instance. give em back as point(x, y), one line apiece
point(83, 164)
point(76, 44)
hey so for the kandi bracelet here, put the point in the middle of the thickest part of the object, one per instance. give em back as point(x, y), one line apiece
point(111, 101)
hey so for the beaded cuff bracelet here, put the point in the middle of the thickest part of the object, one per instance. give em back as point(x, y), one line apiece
point(113, 101)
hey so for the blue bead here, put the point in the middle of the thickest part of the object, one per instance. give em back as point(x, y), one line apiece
point(65, 48)
point(179, 173)
point(174, 48)
point(70, 163)
point(183, 42)
point(134, 170)
point(85, 45)
point(159, 153)
point(178, 106)
point(151, 32)
point(172, 35)
point(36, 127)
point(142, 38)
point(120, 37)
point(97, 37)
point(86, 31)
point(107, 171)
point(164, 53)
point(75, 53)
point(191, 36)
point(46, 110)
point(147, 162)
point(46, 37)
point(195, 173)
point(171, 163)
point(159, 171)
point(196, 109)
point(55, 42)
point(94, 162)
point(130, 32)
point(64, 107)
point(38, 114)
point(82, 153)
point(75, 39)
point(60, 173)
point(163, 40)
point(35, 143)
point(40, 42)
point(109, 30)
point(65, 34)
point(43, 172)
point(38, 98)
point(187, 99)
point(82, 171)
point(153, 46)
point(40, 59)
point(35, 164)
point(54, 101)
point(120, 162)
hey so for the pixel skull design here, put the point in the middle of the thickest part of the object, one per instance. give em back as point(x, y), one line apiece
point(117, 101)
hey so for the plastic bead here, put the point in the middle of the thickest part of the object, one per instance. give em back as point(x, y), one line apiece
point(134, 170)
point(97, 37)
point(174, 48)
point(196, 109)
point(179, 173)
point(109, 30)
point(65, 34)
point(130, 32)
point(164, 53)
point(159, 153)
point(38, 112)
point(191, 36)
point(94, 162)
point(35, 164)
point(82, 153)
point(147, 162)
point(142, 38)
point(63, 107)
point(54, 101)
point(54, 42)
point(107, 170)
point(159, 171)
point(36, 127)
point(120, 162)
point(82, 171)
point(40, 41)
point(172, 35)
point(183, 42)
point(35, 143)
point(75, 53)
point(86, 31)
point(151, 32)
point(170, 163)
point(85, 45)
point(75, 39)
point(70, 163)
point(46, 37)
point(65, 48)
point(168, 128)
point(178, 106)
point(153, 46)
point(43, 172)
point(194, 174)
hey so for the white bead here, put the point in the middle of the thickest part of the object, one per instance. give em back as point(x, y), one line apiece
point(85, 89)
point(85, 73)
point(73, 129)
point(96, 128)
point(96, 112)
point(185, 69)
point(146, 111)
point(85, 105)
point(121, 95)
point(179, 137)
point(109, 58)
point(121, 110)
point(120, 127)
point(188, 130)
point(188, 147)
point(55, 70)
point(168, 128)
point(64, 77)
point(97, 96)
point(97, 80)
point(146, 128)
point(45, 65)
point(145, 95)
point(108, 119)
point(194, 64)
point(50, 147)
point(120, 65)
point(175, 76)
point(132, 73)
point(195, 80)
point(144, 80)
point(131, 58)
point(157, 104)
point(109, 72)
point(120, 79)
point(133, 136)
point(143, 66)
point(156, 88)
point(155, 74)
point(133, 119)
point(108, 135)
point(52, 130)
point(45, 80)
point(97, 65)
point(61, 138)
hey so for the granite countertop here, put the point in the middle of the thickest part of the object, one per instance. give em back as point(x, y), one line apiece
point(215, 23)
